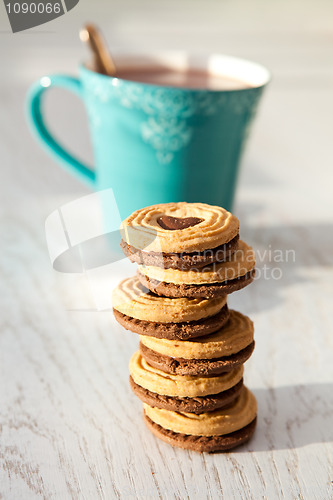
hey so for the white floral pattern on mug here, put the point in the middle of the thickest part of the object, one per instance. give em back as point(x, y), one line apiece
point(165, 133)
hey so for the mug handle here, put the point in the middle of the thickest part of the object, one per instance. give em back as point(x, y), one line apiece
point(38, 126)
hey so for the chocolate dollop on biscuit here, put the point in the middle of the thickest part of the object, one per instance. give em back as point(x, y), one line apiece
point(176, 223)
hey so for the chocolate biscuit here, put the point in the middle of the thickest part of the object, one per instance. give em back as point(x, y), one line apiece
point(182, 261)
point(207, 291)
point(202, 443)
point(194, 367)
point(196, 405)
point(174, 331)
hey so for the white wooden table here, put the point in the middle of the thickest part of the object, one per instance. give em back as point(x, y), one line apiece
point(70, 426)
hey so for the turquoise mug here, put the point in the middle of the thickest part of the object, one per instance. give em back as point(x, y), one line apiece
point(156, 143)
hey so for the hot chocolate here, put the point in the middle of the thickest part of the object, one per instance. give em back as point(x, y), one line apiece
point(192, 78)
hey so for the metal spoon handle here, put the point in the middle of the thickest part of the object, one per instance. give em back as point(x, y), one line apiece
point(103, 60)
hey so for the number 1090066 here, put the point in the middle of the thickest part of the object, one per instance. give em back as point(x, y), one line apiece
point(33, 7)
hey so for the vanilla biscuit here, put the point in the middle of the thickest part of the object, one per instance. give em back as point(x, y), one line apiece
point(242, 261)
point(159, 382)
point(171, 235)
point(216, 423)
point(234, 336)
point(213, 354)
point(194, 367)
point(209, 444)
point(132, 299)
point(208, 282)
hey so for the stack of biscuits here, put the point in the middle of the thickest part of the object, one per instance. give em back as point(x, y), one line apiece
point(188, 371)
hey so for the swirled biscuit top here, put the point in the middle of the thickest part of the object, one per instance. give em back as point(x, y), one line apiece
point(234, 336)
point(181, 386)
point(143, 229)
point(240, 263)
point(213, 423)
point(134, 300)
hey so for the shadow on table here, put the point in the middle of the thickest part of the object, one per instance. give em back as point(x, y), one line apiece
point(293, 417)
point(286, 256)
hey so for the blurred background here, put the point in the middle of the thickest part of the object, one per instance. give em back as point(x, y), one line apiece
point(293, 130)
